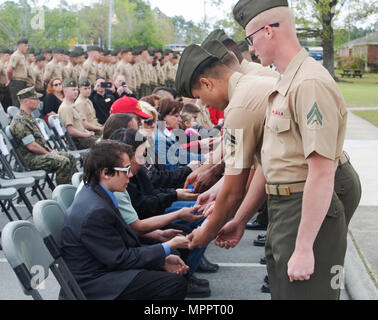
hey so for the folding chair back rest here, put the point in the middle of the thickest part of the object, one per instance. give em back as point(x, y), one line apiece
point(64, 194)
point(21, 164)
point(12, 111)
point(56, 122)
point(4, 120)
point(44, 128)
point(36, 114)
point(48, 217)
point(76, 179)
point(26, 253)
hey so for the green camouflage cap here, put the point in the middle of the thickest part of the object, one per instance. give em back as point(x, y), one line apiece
point(76, 53)
point(217, 34)
point(192, 57)
point(30, 51)
point(93, 48)
point(246, 10)
point(4, 51)
point(23, 40)
point(69, 83)
point(40, 58)
point(28, 93)
point(84, 82)
point(216, 48)
point(125, 49)
point(58, 50)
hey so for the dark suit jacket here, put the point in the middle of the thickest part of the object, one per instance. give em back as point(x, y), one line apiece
point(102, 251)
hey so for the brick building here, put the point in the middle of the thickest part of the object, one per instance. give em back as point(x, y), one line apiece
point(365, 47)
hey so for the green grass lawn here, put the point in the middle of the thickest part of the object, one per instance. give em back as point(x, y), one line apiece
point(360, 92)
point(369, 115)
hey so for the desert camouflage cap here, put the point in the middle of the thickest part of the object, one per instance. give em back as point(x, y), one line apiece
point(84, 82)
point(28, 93)
point(69, 83)
point(245, 10)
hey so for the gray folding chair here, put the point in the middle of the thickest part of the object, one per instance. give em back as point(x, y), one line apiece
point(38, 175)
point(48, 217)
point(12, 111)
point(64, 194)
point(60, 131)
point(76, 179)
point(6, 197)
point(27, 255)
point(51, 139)
point(4, 118)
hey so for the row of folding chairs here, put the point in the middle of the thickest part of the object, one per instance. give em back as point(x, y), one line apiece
point(31, 246)
point(15, 172)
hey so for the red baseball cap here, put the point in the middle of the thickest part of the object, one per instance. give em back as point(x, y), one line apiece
point(128, 105)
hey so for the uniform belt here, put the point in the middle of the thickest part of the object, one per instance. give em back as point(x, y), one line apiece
point(344, 158)
point(284, 189)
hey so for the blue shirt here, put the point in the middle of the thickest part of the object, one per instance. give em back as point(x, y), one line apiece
point(111, 195)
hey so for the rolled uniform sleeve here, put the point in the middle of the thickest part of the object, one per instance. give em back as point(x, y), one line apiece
point(22, 133)
point(318, 118)
point(241, 135)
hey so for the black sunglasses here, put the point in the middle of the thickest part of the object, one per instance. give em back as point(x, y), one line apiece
point(250, 40)
point(149, 122)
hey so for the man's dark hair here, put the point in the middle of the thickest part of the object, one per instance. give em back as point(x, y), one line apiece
point(116, 121)
point(167, 106)
point(104, 155)
point(131, 137)
point(211, 67)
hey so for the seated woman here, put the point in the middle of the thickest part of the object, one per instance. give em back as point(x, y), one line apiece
point(103, 253)
point(54, 97)
point(150, 228)
point(159, 176)
point(167, 146)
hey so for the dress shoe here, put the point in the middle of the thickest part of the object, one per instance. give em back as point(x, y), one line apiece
point(263, 261)
point(205, 266)
point(260, 241)
point(200, 282)
point(255, 226)
point(196, 291)
point(266, 280)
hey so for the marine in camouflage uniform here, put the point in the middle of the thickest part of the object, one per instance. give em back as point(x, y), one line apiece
point(25, 131)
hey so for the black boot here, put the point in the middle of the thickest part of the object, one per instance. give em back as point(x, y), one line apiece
point(205, 266)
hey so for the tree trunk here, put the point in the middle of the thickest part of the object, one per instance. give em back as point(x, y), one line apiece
point(328, 54)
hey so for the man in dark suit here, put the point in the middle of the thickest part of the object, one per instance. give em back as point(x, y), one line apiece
point(102, 251)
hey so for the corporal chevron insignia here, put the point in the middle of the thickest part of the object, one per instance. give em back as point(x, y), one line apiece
point(315, 117)
point(229, 138)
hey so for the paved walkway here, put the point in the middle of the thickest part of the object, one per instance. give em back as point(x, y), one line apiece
point(361, 267)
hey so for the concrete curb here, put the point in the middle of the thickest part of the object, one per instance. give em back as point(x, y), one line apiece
point(358, 282)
